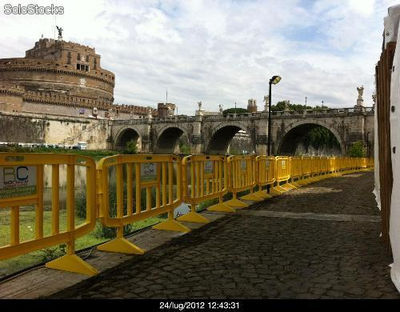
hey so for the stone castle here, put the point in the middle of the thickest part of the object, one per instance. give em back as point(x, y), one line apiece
point(65, 79)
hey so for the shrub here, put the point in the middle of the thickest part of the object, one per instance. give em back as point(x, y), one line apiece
point(130, 147)
point(357, 149)
point(80, 207)
point(51, 253)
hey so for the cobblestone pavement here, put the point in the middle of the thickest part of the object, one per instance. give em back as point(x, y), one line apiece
point(255, 256)
point(349, 194)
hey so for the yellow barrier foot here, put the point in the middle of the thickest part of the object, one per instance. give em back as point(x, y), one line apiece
point(263, 194)
point(221, 207)
point(193, 217)
point(121, 245)
point(288, 186)
point(236, 203)
point(280, 189)
point(72, 263)
point(295, 184)
point(171, 225)
point(274, 192)
point(252, 196)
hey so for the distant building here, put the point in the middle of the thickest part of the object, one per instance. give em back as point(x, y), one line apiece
point(165, 110)
point(252, 106)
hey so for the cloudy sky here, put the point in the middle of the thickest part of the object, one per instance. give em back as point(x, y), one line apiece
point(218, 51)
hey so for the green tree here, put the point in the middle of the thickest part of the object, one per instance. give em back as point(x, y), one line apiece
point(130, 147)
point(280, 106)
point(357, 149)
point(184, 148)
point(238, 111)
point(319, 137)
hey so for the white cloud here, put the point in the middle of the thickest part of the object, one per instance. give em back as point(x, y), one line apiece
point(219, 51)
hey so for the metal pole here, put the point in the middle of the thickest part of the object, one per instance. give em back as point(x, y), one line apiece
point(269, 120)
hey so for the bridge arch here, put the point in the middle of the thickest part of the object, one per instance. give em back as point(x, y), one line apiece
point(126, 135)
point(222, 136)
point(167, 140)
point(288, 140)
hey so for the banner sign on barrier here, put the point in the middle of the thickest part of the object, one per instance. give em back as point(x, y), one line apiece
point(243, 165)
point(148, 172)
point(17, 181)
point(283, 164)
point(208, 167)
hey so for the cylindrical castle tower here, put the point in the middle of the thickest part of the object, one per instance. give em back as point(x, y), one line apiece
point(60, 67)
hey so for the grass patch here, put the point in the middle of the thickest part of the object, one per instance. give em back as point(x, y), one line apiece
point(95, 154)
point(27, 220)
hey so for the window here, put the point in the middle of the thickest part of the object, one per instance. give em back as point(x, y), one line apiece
point(79, 57)
point(87, 58)
point(69, 58)
point(78, 66)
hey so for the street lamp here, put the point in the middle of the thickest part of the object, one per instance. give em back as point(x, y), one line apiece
point(273, 80)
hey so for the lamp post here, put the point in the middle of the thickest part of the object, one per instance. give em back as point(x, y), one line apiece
point(273, 80)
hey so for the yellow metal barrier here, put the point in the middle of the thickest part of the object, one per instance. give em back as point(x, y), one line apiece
point(323, 167)
point(203, 178)
point(316, 169)
point(265, 173)
point(306, 163)
point(134, 173)
point(241, 178)
point(163, 181)
point(22, 184)
point(332, 166)
point(296, 171)
point(282, 175)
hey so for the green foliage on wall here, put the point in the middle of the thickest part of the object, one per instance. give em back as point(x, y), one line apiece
point(280, 106)
point(238, 110)
point(130, 147)
point(320, 137)
point(184, 148)
point(357, 149)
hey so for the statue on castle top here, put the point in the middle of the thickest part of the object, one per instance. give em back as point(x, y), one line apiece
point(221, 110)
point(199, 103)
point(266, 100)
point(374, 101)
point(60, 30)
point(360, 100)
point(360, 92)
point(287, 105)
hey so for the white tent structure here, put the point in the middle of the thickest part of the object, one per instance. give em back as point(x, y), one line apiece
point(391, 34)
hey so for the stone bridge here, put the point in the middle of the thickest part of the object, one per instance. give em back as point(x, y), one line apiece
point(212, 133)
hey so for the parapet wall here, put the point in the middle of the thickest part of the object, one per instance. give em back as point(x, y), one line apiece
point(21, 64)
point(25, 128)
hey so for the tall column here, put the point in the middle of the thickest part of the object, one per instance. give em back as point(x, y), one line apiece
point(356, 130)
point(261, 137)
point(146, 134)
point(109, 140)
point(196, 142)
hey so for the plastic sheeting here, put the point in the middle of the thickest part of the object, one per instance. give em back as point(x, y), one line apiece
point(394, 223)
point(377, 189)
point(391, 24)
